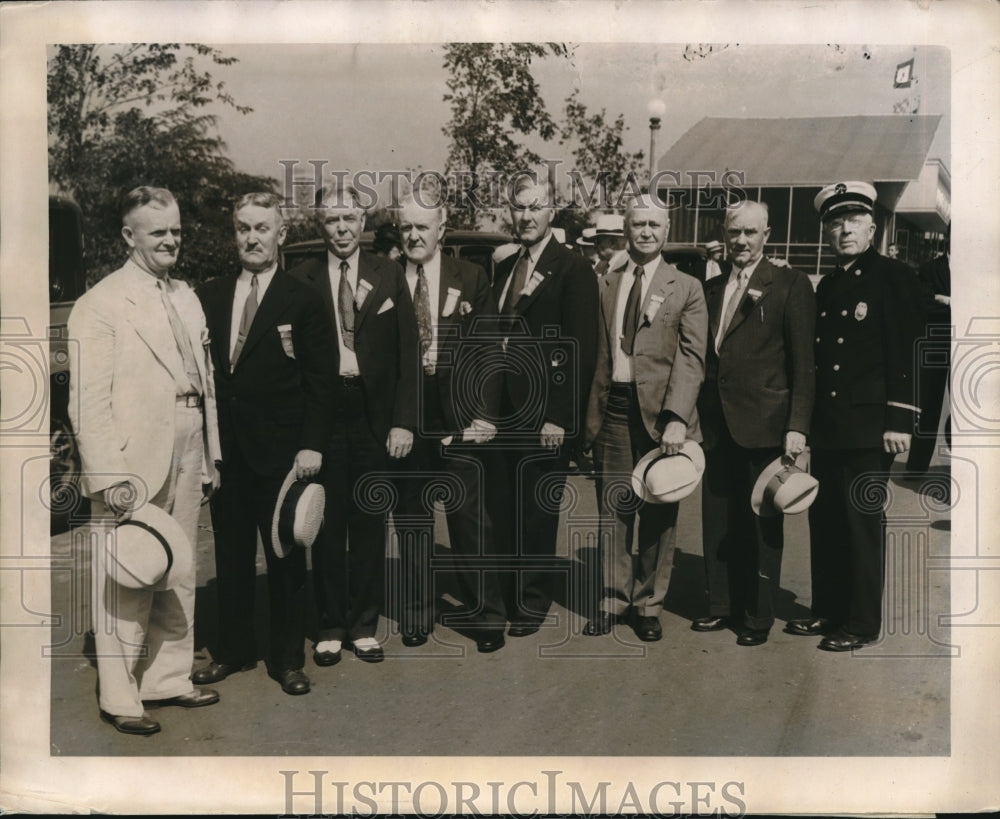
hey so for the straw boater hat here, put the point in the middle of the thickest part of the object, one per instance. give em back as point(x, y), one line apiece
point(711, 247)
point(298, 515)
point(845, 197)
point(784, 488)
point(586, 239)
point(659, 478)
point(610, 224)
point(148, 549)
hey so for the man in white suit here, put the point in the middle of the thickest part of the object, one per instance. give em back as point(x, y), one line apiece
point(143, 408)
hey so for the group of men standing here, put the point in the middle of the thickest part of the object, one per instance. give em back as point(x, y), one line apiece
point(424, 379)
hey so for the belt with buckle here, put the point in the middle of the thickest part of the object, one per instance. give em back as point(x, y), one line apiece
point(191, 401)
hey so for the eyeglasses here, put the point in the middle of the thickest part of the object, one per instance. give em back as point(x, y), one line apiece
point(853, 220)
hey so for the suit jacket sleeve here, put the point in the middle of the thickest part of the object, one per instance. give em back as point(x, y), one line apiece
point(579, 322)
point(91, 329)
point(901, 329)
point(688, 370)
point(800, 330)
point(315, 343)
point(404, 409)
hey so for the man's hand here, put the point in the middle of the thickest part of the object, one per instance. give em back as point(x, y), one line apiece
point(399, 443)
point(552, 435)
point(209, 489)
point(480, 432)
point(307, 464)
point(120, 498)
point(795, 444)
point(895, 442)
point(673, 437)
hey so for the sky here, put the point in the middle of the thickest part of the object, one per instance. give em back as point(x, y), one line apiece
point(380, 105)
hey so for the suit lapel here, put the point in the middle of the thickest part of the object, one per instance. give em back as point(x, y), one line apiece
point(318, 275)
point(189, 313)
point(367, 271)
point(271, 306)
point(715, 292)
point(760, 280)
point(549, 258)
point(224, 306)
point(149, 318)
point(660, 288)
point(450, 279)
point(610, 283)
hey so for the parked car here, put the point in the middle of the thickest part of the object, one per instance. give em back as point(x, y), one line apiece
point(688, 259)
point(67, 282)
point(472, 245)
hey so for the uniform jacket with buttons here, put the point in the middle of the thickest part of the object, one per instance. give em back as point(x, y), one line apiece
point(760, 384)
point(868, 321)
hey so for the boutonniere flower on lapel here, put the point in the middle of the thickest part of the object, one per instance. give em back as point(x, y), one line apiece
point(655, 303)
point(754, 294)
point(285, 333)
point(532, 283)
point(450, 301)
point(464, 308)
point(364, 288)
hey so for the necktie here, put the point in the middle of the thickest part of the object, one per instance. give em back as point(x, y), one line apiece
point(181, 338)
point(422, 303)
point(249, 311)
point(516, 284)
point(734, 302)
point(345, 307)
point(630, 324)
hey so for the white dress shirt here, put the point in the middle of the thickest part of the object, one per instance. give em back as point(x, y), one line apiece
point(240, 299)
point(348, 359)
point(432, 272)
point(734, 276)
point(534, 252)
point(621, 362)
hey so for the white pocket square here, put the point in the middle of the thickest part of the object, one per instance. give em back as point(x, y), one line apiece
point(386, 305)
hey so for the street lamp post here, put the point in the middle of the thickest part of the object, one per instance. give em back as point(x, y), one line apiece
point(656, 108)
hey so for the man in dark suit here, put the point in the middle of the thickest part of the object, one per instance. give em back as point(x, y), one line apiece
point(934, 361)
point(755, 406)
point(548, 302)
point(867, 323)
point(374, 419)
point(271, 349)
point(456, 397)
point(650, 364)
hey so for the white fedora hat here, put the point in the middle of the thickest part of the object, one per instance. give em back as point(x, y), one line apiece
point(610, 224)
point(659, 478)
point(784, 488)
point(147, 549)
point(298, 515)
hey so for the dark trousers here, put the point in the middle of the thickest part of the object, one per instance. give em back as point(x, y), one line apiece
point(933, 374)
point(847, 537)
point(348, 558)
point(456, 476)
point(636, 539)
point(244, 506)
point(742, 550)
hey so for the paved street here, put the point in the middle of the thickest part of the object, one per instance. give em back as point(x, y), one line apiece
point(560, 693)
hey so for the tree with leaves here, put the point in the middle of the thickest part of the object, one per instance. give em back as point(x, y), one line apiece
point(122, 116)
point(494, 98)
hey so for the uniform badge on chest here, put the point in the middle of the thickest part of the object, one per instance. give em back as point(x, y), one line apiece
point(860, 311)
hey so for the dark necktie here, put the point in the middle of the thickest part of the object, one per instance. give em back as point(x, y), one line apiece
point(181, 338)
point(422, 303)
point(630, 323)
point(516, 284)
point(345, 307)
point(249, 311)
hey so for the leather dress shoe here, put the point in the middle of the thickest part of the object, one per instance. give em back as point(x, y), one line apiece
point(217, 672)
point(140, 726)
point(418, 638)
point(809, 626)
point(602, 624)
point(488, 643)
point(752, 637)
point(293, 680)
point(522, 629)
point(193, 699)
point(710, 624)
point(844, 641)
point(648, 629)
point(326, 658)
point(368, 653)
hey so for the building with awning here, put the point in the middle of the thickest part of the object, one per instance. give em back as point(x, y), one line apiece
point(785, 162)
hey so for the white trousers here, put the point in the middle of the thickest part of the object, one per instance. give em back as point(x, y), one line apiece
point(144, 638)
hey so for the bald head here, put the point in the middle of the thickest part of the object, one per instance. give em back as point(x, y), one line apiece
point(746, 232)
